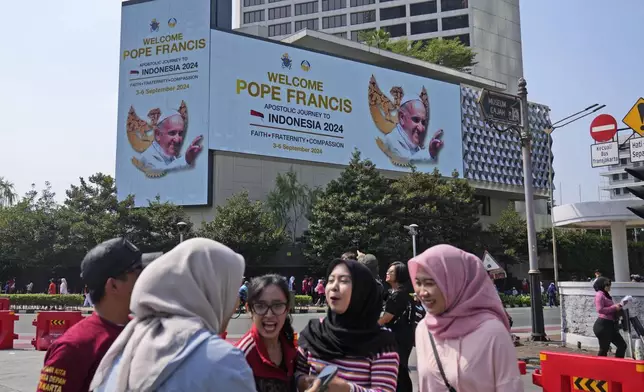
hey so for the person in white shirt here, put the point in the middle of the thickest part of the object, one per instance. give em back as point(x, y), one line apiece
point(63, 286)
point(165, 152)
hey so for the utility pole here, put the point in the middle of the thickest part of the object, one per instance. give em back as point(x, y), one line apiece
point(538, 328)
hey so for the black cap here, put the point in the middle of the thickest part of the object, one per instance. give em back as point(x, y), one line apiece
point(108, 260)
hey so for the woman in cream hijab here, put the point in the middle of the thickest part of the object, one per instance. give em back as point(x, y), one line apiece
point(181, 303)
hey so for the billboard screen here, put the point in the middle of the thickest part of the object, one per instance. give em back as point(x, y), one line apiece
point(275, 100)
point(163, 108)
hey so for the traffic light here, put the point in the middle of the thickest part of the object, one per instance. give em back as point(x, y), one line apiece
point(637, 191)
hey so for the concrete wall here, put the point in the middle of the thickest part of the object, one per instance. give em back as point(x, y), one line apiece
point(496, 36)
point(578, 313)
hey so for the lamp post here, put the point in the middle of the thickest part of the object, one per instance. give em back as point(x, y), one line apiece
point(413, 231)
point(538, 328)
point(549, 132)
point(183, 227)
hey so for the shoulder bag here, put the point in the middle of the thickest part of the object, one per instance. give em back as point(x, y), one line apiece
point(440, 365)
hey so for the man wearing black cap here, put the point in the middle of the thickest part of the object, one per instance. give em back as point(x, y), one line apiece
point(109, 270)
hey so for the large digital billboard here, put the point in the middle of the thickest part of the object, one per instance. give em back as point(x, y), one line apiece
point(163, 109)
point(275, 100)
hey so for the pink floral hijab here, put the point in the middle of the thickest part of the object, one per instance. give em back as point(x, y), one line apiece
point(469, 293)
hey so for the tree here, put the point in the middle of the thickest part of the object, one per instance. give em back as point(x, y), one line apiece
point(246, 227)
point(450, 53)
point(507, 241)
point(352, 212)
point(444, 209)
point(290, 201)
point(154, 228)
point(8, 194)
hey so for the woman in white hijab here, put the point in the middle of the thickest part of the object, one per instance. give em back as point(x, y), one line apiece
point(181, 303)
point(63, 286)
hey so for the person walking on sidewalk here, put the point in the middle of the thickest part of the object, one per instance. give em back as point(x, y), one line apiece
point(109, 270)
point(605, 327)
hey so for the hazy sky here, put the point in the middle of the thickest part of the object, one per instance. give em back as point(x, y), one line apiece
point(60, 68)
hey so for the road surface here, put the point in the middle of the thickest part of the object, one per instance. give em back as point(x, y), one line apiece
point(19, 368)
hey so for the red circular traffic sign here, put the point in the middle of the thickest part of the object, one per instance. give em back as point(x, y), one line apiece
point(603, 128)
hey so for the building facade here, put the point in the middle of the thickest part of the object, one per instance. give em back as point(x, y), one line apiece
point(614, 178)
point(491, 27)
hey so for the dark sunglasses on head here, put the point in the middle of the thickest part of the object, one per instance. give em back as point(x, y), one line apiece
point(261, 308)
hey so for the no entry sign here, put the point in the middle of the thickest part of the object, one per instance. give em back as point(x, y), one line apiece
point(603, 128)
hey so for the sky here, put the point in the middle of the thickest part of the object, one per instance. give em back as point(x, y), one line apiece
point(60, 67)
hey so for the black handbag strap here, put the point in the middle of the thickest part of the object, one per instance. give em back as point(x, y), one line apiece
point(440, 364)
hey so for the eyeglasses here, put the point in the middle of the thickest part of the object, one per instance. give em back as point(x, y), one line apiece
point(261, 308)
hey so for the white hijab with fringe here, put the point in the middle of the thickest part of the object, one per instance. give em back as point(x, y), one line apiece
point(192, 287)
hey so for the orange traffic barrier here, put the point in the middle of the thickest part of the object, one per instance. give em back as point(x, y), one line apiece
point(51, 325)
point(5, 304)
point(561, 372)
point(7, 335)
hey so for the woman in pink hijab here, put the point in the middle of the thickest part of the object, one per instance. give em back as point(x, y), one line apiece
point(465, 331)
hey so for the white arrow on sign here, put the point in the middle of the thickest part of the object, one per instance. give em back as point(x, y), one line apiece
point(489, 262)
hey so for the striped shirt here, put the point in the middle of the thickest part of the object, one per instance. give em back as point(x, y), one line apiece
point(379, 374)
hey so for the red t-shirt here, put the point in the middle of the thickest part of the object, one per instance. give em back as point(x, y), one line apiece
point(72, 359)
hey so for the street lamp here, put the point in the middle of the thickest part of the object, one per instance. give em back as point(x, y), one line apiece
point(183, 228)
point(413, 231)
point(549, 131)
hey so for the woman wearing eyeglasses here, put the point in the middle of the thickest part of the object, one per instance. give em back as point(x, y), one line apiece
point(268, 346)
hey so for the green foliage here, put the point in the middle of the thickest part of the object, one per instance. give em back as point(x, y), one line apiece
point(290, 201)
point(352, 212)
point(246, 227)
point(302, 301)
point(444, 209)
point(40, 238)
point(43, 300)
point(507, 238)
point(8, 194)
point(446, 52)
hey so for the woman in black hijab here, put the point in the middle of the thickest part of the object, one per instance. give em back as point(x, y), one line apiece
point(350, 336)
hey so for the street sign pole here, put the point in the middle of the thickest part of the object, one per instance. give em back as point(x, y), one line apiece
point(538, 328)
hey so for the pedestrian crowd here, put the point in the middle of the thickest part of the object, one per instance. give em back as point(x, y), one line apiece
point(158, 326)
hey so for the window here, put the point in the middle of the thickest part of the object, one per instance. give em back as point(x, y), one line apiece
point(279, 29)
point(253, 16)
point(615, 177)
point(250, 3)
point(464, 38)
point(426, 26)
point(484, 205)
point(306, 8)
point(626, 191)
point(274, 1)
point(393, 13)
point(617, 191)
point(330, 5)
point(428, 7)
point(451, 5)
point(279, 12)
point(456, 22)
point(341, 35)
point(623, 161)
point(624, 176)
point(363, 17)
point(358, 3)
point(311, 24)
point(396, 30)
point(330, 22)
